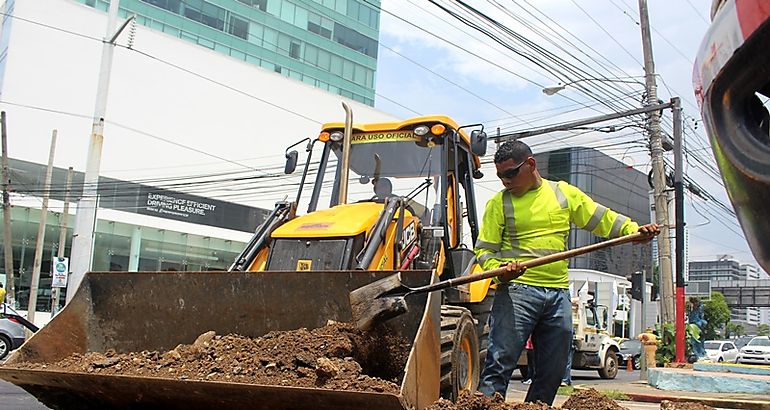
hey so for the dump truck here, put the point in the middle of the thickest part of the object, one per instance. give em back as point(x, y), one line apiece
point(400, 195)
point(593, 348)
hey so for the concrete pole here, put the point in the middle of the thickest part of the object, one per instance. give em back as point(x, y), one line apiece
point(55, 291)
point(658, 173)
point(40, 240)
point(85, 217)
point(10, 285)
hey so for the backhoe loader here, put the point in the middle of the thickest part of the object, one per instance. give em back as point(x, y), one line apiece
point(399, 200)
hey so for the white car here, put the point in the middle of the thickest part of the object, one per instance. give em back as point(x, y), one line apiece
point(757, 351)
point(721, 351)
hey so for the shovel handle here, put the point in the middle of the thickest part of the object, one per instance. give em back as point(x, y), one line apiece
point(532, 262)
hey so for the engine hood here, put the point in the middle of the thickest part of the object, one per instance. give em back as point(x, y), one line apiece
point(340, 221)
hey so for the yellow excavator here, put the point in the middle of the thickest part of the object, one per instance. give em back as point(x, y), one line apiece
point(400, 200)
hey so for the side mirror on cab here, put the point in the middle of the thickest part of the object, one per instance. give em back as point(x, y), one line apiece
point(291, 162)
point(479, 142)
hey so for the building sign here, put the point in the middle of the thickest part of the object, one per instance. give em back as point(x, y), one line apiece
point(59, 272)
point(167, 204)
point(143, 199)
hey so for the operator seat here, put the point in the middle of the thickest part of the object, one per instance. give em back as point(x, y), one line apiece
point(383, 188)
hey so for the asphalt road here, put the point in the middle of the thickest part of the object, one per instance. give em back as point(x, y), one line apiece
point(14, 398)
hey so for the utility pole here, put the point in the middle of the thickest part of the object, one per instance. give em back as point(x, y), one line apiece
point(56, 291)
point(679, 211)
point(658, 173)
point(40, 240)
point(10, 286)
point(643, 355)
point(85, 217)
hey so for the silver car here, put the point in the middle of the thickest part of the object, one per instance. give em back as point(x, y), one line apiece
point(11, 330)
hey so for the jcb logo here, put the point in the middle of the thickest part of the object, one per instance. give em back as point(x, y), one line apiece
point(304, 264)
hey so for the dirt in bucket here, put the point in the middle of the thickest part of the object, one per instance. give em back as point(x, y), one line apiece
point(336, 356)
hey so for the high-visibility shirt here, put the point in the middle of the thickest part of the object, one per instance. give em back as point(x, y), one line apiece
point(537, 224)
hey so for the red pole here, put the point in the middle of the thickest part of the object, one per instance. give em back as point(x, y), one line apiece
point(680, 332)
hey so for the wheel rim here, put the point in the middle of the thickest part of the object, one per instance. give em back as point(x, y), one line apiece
point(3, 348)
point(612, 366)
point(464, 361)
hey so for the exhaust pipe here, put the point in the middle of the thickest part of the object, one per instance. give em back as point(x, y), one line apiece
point(346, 140)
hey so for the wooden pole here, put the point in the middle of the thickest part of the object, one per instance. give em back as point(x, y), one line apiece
point(33, 285)
point(7, 237)
point(55, 291)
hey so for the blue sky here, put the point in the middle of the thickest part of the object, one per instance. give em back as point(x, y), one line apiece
point(430, 63)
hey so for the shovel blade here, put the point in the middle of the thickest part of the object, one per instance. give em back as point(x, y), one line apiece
point(378, 301)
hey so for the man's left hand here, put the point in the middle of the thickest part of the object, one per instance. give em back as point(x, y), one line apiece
point(649, 231)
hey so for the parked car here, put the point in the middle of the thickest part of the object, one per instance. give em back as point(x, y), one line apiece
point(11, 331)
point(721, 351)
point(742, 341)
point(757, 351)
point(630, 350)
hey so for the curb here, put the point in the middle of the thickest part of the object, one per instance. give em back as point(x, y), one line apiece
point(731, 403)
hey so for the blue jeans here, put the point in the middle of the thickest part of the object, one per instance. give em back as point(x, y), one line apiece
point(518, 311)
point(567, 379)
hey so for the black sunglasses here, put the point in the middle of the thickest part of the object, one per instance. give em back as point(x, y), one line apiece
point(511, 172)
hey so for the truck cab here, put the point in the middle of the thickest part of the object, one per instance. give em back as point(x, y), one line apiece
point(593, 346)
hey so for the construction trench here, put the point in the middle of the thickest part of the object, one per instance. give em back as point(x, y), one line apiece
point(337, 356)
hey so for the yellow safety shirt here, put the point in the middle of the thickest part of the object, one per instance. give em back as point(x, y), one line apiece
point(537, 224)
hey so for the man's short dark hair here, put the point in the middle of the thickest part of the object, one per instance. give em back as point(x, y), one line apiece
point(515, 150)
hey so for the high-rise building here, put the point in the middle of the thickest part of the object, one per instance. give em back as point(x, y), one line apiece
point(723, 269)
point(615, 185)
point(329, 44)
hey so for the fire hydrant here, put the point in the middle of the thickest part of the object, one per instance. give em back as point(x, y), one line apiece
point(650, 345)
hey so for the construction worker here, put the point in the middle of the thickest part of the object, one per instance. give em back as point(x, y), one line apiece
point(531, 218)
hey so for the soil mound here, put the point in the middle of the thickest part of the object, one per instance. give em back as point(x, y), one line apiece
point(336, 356)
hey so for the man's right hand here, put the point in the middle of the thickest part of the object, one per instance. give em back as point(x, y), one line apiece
point(512, 271)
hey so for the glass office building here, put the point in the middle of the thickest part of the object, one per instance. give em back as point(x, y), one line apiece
point(613, 184)
point(329, 44)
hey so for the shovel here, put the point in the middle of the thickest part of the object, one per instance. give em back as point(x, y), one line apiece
point(385, 299)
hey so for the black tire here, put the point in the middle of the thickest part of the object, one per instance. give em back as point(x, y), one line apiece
point(5, 346)
point(637, 362)
point(610, 369)
point(460, 368)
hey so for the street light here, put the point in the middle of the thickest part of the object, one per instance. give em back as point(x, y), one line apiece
point(556, 88)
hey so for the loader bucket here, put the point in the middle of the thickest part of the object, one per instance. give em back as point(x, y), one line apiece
point(136, 311)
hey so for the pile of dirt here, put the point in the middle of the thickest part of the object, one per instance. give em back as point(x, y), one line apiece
point(336, 356)
point(683, 405)
point(590, 399)
point(477, 401)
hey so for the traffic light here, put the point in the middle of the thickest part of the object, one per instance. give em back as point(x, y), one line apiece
point(636, 285)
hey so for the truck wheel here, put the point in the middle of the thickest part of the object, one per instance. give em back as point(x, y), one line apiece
point(610, 369)
point(481, 312)
point(460, 368)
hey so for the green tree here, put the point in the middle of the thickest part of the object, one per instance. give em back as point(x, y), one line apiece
point(734, 330)
point(763, 330)
point(716, 312)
